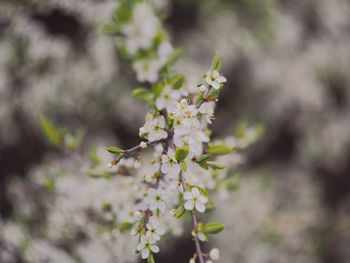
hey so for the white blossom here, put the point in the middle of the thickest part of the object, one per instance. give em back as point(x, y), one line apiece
point(154, 228)
point(146, 246)
point(214, 79)
point(154, 128)
point(155, 200)
point(194, 199)
point(167, 98)
point(142, 29)
point(207, 109)
point(147, 70)
point(169, 164)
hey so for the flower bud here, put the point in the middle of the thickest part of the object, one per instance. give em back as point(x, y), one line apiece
point(214, 254)
point(143, 145)
point(202, 88)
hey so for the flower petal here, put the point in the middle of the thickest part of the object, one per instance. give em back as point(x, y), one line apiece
point(200, 207)
point(155, 249)
point(195, 192)
point(145, 253)
point(189, 205)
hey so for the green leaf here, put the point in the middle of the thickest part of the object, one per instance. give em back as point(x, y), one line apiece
point(181, 153)
point(150, 258)
point(183, 166)
point(123, 13)
point(93, 156)
point(157, 89)
point(215, 166)
point(216, 62)
point(177, 81)
point(96, 175)
point(213, 228)
point(125, 226)
point(111, 28)
point(51, 132)
point(173, 58)
point(203, 157)
point(204, 165)
point(75, 143)
point(210, 206)
point(115, 150)
point(180, 211)
point(232, 182)
point(50, 184)
point(144, 95)
point(214, 94)
point(219, 149)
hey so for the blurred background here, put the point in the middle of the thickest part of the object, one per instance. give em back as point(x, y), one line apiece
point(287, 65)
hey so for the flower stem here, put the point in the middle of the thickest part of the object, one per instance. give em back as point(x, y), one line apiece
point(194, 222)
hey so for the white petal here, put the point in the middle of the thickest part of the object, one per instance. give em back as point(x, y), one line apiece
point(161, 206)
point(163, 134)
point(176, 169)
point(203, 199)
point(216, 85)
point(140, 246)
point(145, 253)
point(201, 236)
point(155, 248)
point(222, 79)
point(165, 168)
point(153, 206)
point(189, 205)
point(215, 74)
point(195, 192)
point(160, 103)
point(200, 207)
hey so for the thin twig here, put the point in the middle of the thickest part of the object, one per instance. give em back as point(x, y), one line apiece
point(194, 222)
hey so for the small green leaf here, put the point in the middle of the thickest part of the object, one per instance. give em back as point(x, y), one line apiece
point(203, 157)
point(123, 13)
point(214, 94)
point(157, 89)
point(51, 132)
point(204, 165)
point(183, 166)
point(232, 182)
point(125, 226)
point(210, 206)
point(177, 81)
point(150, 258)
point(219, 149)
point(216, 62)
point(144, 95)
point(111, 28)
point(93, 156)
point(104, 175)
point(181, 153)
point(76, 141)
point(173, 57)
point(213, 228)
point(115, 150)
point(215, 166)
point(180, 211)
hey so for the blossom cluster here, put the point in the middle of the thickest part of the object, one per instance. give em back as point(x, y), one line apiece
point(183, 166)
point(141, 39)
